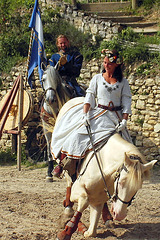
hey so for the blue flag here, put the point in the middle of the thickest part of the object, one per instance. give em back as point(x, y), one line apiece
point(37, 53)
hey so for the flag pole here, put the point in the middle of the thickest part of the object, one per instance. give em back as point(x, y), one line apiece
point(29, 57)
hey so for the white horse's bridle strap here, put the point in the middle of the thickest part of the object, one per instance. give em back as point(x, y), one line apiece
point(45, 115)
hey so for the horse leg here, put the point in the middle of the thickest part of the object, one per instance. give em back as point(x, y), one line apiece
point(95, 212)
point(72, 225)
point(106, 216)
point(68, 210)
point(67, 202)
point(49, 177)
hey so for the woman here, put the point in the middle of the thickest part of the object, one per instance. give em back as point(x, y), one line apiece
point(106, 107)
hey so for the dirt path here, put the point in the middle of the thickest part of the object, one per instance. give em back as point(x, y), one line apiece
point(30, 209)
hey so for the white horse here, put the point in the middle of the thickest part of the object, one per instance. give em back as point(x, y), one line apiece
point(123, 170)
point(54, 98)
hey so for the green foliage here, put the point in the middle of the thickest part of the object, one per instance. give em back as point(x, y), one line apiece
point(139, 122)
point(133, 48)
point(148, 4)
point(7, 158)
point(143, 68)
point(15, 35)
point(14, 40)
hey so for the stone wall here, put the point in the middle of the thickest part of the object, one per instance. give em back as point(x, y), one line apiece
point(83, 22)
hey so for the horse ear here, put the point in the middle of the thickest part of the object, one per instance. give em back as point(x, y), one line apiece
point(148, 166)
point(127, 159)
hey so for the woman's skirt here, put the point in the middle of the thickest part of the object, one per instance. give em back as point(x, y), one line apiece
point(71, 137)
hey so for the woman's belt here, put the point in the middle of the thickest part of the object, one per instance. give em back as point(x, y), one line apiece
point(117, 108)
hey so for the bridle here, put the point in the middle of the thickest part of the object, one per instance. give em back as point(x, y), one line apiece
point(45, 91)
point(115, 194)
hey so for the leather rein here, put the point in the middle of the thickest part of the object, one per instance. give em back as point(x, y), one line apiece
point(115, 194)
point(44, 114)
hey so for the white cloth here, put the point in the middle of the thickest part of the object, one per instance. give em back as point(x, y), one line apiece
point(70, 135)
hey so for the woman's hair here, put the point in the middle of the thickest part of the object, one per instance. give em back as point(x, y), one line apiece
point(118, 70)
point(118, 73)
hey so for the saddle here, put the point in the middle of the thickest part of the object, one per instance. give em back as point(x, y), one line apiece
point(71, 166)
point(70, 90)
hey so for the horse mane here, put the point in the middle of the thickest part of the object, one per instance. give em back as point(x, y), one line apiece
point(62, 97)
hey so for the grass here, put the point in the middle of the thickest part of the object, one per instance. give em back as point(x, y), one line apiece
point(9, 159)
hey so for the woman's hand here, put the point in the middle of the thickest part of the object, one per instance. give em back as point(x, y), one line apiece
point(121, 126)
point(85, 119)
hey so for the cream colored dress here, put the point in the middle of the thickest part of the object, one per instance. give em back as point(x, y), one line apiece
point(70, 136)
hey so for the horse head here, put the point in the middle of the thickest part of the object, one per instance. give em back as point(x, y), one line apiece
point(128, 180)
point(50, 82)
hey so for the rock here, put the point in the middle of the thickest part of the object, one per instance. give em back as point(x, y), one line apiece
point(157, 128)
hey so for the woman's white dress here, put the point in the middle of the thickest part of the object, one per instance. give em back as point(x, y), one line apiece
point(70, 136)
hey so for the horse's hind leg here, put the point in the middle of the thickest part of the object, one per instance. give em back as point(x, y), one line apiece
point(95, 212)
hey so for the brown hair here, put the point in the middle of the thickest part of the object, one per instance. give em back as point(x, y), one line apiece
point(61, 36)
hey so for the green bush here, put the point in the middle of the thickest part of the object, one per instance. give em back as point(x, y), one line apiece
point(7, 158)
point(148, 4)
point(15, 35)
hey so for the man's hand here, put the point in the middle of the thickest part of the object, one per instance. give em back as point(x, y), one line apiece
point(62, 60)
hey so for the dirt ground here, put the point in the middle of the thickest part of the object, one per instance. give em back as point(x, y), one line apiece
point(30, 208)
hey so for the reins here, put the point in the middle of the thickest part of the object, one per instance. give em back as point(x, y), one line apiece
point(117, 177)
point(90, 136)
point(115, 195)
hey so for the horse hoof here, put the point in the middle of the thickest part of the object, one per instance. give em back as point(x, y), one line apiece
point(88, 234)
point(63, 236)
point(68, 211)
point(49, 179)
point(108, 223)
point(81, 227)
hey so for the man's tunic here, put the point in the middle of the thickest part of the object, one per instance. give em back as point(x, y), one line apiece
point(71, 70)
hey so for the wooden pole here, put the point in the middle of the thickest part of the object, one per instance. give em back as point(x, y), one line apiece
point(29, 56)
point(7, 100)
point(134, 4)
point(20, 117)
point(9, 106)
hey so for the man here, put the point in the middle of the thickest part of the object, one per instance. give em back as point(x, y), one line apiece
point(69, 65)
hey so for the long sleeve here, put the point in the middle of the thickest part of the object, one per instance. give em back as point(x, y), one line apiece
point(91, 93)
point(126, 98)
point(73, 66)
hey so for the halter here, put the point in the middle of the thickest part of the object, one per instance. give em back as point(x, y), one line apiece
point(44, 114)
point(115, 195)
